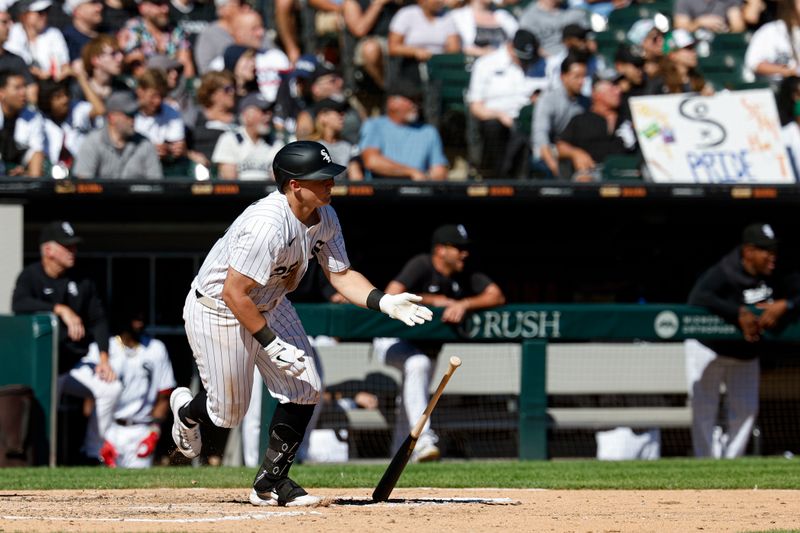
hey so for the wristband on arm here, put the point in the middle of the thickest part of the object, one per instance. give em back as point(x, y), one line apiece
point(264, 336)
point(374, 299)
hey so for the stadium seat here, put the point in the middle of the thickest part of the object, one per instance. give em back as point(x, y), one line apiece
point(622, 167)
point(448, 79)
point(607, 44)
point(724, 71)
point(731, 43)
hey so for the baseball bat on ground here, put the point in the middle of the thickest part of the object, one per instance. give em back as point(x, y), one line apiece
point(400, 459)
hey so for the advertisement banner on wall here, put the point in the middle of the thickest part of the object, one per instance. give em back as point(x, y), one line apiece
point(732, 138)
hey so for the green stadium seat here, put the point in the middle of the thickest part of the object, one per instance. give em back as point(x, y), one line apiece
point(448, 80)
point(524, 120)
point(747, 85)
point(724, 70)
point(607, 44)
point(622, 167)
point(731, 43)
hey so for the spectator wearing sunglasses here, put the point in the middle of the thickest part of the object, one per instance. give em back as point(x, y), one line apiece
point(116, 151)
point(216, 97)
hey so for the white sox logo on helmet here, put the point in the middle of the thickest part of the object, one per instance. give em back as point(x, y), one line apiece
point(325, 156)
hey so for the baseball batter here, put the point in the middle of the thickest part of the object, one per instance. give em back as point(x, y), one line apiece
point(143, 367)
point(237, 316)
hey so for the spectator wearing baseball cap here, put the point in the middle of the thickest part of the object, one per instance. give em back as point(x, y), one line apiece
point(328, 125)
point(648, 38)
point(42, 47)
point(577, 39)
point(397, 144)
point(247, 152)
point(679, 72)
point(745, 290)
point(326, 83)
point(116, 151)
point(86, 15)
point(597, 133)
point(10, 62)
point(499, 88)
point(632, 79)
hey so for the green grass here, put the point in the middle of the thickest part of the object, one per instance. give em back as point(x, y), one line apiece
point(770, 473)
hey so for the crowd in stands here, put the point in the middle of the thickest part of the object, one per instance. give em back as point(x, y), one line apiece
point(120, 90)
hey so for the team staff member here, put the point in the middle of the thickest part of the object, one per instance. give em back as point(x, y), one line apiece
point(50, 286)
point(237, 316)
point(442, 281)
point(744, 277)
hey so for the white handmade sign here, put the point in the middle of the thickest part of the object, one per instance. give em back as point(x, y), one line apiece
point(731, 137)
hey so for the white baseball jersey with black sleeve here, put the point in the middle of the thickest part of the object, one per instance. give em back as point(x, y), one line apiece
point(268, 244)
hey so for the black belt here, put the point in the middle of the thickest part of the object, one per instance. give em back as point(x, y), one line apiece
point(127, 422)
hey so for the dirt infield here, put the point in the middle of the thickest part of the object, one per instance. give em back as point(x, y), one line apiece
point(410, 510)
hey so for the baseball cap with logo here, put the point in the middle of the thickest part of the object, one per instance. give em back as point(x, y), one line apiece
point(574, 31)
point(639, 31)
point(452, 234)
point(760, 235)
point(677, 40)
point(526, 46)
point(61, 232)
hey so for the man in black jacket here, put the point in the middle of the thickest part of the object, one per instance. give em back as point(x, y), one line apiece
point(742, 280)
point(50, 286)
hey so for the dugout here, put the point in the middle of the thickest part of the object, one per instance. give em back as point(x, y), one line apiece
point(543, 242)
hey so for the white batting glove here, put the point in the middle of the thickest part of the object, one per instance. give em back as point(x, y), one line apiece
point(286, 357)
point(402, 307)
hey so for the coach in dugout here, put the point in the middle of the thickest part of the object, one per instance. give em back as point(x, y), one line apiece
point(51, 286)
point(442, 280)
point(740, 285)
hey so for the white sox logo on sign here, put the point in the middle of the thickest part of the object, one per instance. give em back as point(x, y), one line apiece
point(325, 156)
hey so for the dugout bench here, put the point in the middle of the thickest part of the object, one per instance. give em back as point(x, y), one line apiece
point(479, 410)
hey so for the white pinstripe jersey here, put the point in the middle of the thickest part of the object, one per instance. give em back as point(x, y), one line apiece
point(268, 244)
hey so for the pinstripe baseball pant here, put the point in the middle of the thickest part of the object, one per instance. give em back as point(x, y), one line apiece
point(226, 354)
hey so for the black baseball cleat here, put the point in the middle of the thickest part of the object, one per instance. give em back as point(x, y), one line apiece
point(285, 492)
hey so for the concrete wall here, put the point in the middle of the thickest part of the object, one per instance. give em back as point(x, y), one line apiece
point(11, 226)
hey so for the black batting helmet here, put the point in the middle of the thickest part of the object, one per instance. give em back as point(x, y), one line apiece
point(304, 160)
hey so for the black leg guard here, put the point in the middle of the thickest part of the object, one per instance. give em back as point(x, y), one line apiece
point(285, 433)
point(283, 444)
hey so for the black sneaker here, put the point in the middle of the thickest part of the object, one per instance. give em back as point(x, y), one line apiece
point(285, 492)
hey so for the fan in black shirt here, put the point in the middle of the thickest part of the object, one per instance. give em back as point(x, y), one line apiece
point(595, 134)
